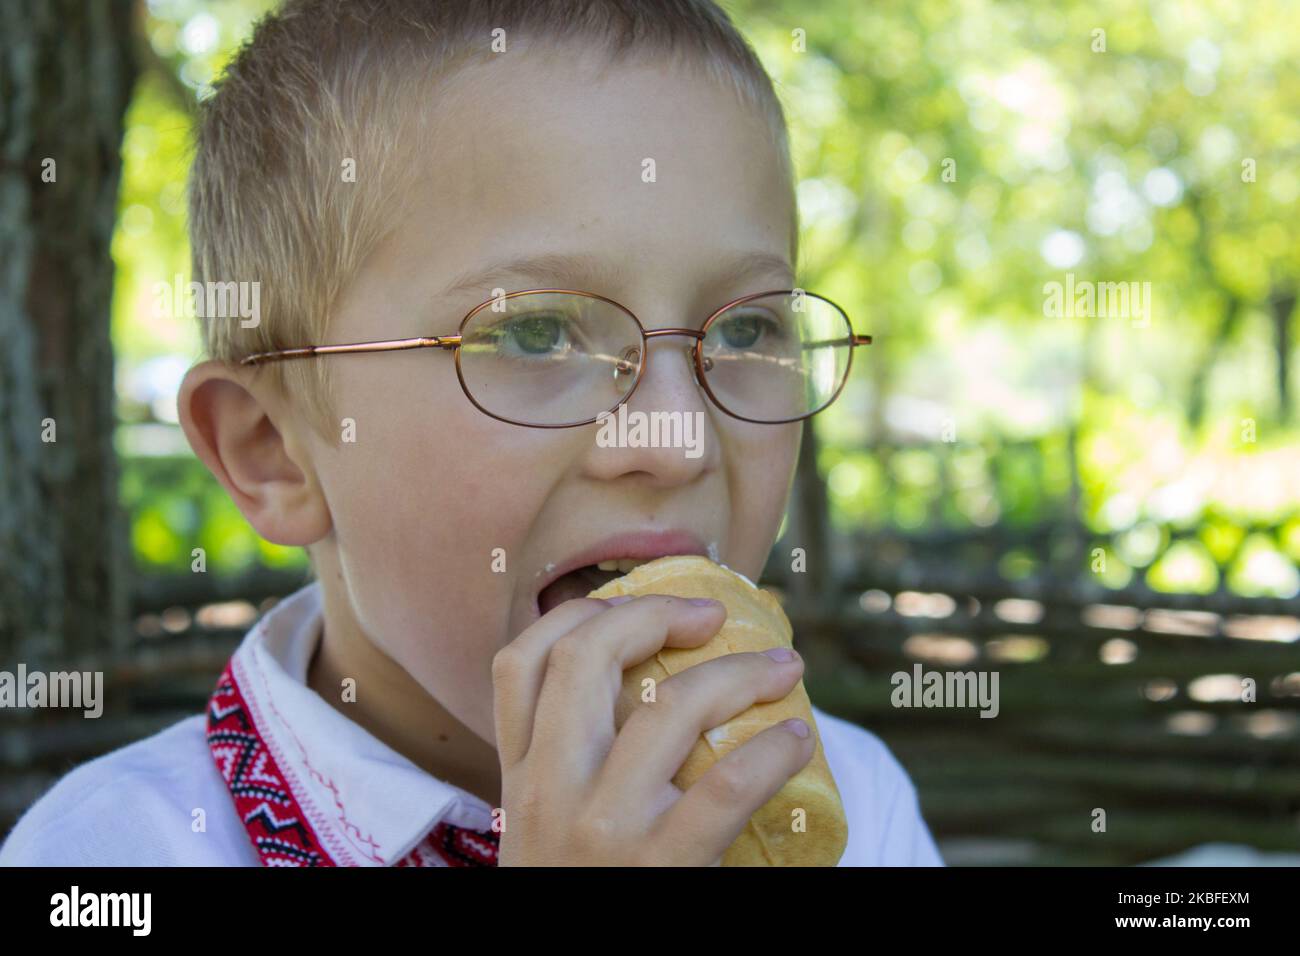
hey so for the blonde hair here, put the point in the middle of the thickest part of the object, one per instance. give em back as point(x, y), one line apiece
point(322, 82)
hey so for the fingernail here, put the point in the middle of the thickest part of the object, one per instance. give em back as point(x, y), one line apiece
point(782, 655)
point(702, 602)
point(796, 727)
point(621, 599)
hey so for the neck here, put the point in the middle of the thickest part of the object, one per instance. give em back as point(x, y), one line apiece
point(393, 707)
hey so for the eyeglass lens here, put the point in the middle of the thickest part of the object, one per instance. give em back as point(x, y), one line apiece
point(551, 358)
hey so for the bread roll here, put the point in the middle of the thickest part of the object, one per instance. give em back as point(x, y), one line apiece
point(755, 622)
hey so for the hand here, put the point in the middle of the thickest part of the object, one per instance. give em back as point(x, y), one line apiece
point(576, 790)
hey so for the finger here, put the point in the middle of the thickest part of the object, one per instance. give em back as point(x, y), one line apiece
point(658, 736)
point(517, 671)
point(715, 809)
point(574, 722)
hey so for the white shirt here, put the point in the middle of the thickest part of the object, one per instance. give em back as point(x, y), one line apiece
point(367, 804)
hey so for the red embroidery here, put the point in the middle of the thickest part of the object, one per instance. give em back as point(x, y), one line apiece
point(271, 814)
point(450, 845)
point(366, 845)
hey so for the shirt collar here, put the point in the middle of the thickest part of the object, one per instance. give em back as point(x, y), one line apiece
point(367, 804)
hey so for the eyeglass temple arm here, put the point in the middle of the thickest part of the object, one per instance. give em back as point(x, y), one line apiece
point(451, 342)
point(392, 345)
point(855, 340)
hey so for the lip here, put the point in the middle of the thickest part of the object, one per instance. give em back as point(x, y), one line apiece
point(630, 544)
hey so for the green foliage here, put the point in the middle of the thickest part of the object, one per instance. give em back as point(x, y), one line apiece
point(175, 505)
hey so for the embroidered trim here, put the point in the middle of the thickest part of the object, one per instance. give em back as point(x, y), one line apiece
point(342, 854)
point(270, 811)
point(449, 845)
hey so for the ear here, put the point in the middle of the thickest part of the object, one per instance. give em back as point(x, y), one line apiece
point(232, 426)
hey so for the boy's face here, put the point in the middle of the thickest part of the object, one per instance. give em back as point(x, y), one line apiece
point(539, 154)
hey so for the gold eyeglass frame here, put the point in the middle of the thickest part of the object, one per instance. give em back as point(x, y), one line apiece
point(453, 342)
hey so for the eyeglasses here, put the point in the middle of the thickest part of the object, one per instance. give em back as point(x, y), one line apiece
point(558, 358)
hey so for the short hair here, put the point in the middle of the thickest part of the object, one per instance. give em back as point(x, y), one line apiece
point(321, 81)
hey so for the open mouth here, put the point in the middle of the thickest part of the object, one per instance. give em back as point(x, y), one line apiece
point(582, 581)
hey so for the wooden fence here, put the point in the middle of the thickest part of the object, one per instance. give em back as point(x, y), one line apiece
point(1124, 701)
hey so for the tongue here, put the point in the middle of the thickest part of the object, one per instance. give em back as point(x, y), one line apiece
point(575, 584)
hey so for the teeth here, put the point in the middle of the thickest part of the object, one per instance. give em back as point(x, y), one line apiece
point(621, 565)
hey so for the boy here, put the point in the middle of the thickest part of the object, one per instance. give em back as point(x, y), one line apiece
point(443, 694)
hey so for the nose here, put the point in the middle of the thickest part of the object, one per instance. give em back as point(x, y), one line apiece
point(660, 460)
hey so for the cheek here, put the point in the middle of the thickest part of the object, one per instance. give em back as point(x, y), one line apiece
point(760, 462)
point(391, 476)
point(418, 504)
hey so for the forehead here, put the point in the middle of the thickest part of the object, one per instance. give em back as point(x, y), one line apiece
point(638, 165)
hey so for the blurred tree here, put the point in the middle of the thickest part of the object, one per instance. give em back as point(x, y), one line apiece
point(66, 76)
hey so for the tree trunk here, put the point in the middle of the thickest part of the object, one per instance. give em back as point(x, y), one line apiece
point(1282, 302)
point(66, 75)
point(810, 530)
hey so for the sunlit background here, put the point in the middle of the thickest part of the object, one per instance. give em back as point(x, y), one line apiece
point(1105, 509)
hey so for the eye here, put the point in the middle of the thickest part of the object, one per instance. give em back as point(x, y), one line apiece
point(536, 333)
point(748, 329)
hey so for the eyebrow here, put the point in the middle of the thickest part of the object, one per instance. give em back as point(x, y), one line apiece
point(588, 273)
